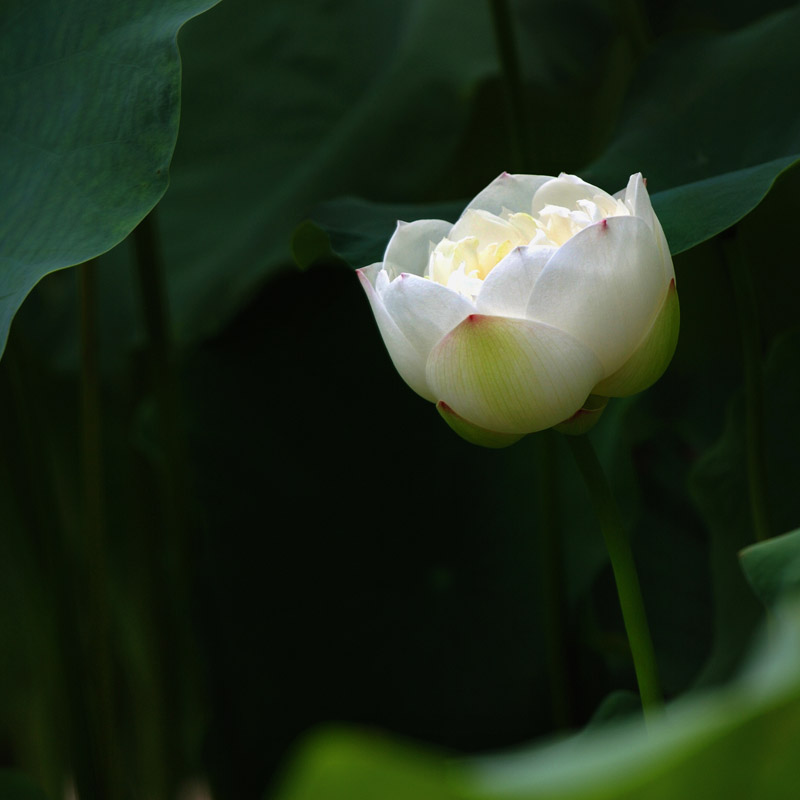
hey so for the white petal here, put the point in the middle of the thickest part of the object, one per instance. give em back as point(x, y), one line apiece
point(565, 191)
point(637, 199)
point(411, 244)
point(406, 359)
point(507, 288)
point(424, 310)
point(511, 375)
point(486, 227)
point(604, 286)
point(663, 249)
point(512, 192)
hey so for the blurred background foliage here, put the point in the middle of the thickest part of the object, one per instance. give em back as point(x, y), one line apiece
point(292, 537)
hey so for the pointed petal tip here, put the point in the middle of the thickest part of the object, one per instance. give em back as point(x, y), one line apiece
point(362, 277)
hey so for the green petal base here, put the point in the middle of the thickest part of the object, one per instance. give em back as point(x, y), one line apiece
point(474, 434)
point(585, 418)
point(653, 355)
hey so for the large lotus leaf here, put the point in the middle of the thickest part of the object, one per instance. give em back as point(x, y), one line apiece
point(697, 211)
point(276, 119)
point(89, 106)
point(357, 230)
point(684, 120)
point(736, 741)
point(709, 158)
point(687, 130)
point(273, 120)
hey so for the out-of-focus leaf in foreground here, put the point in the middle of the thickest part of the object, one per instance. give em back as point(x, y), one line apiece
point(350, 764)
point(773, 567)
point(735, 741)
point(739, 740)
point(89, 107)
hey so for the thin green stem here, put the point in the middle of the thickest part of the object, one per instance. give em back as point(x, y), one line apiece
point(625, 575)
point(749, 330)
point(512, 77)
point(637, 28)
point(92, 582)
point(155, 307)
point(31, 486)
point(553, 591)
point(169, 552)
point(90, 418)
point(26, 468)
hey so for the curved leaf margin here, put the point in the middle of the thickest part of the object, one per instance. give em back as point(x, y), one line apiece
point(90, 103)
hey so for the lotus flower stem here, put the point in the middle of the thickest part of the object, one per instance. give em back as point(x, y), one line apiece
point(747, 313)
point(625, 575)
point(509, 60)
point(553, 582)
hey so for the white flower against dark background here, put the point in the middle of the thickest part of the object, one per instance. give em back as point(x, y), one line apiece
point(546, 291)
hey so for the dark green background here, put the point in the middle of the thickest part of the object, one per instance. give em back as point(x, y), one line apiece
point(348, 557)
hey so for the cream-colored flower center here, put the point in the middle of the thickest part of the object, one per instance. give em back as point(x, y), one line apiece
point(463, 264)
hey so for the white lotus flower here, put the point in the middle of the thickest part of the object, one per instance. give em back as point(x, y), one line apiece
point(546, 291)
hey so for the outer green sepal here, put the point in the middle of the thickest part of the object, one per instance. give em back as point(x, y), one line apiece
point(474, 434)
point(585, 418)
point(651, 357)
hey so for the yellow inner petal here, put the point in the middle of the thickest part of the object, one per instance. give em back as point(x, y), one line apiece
point(464, 264)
